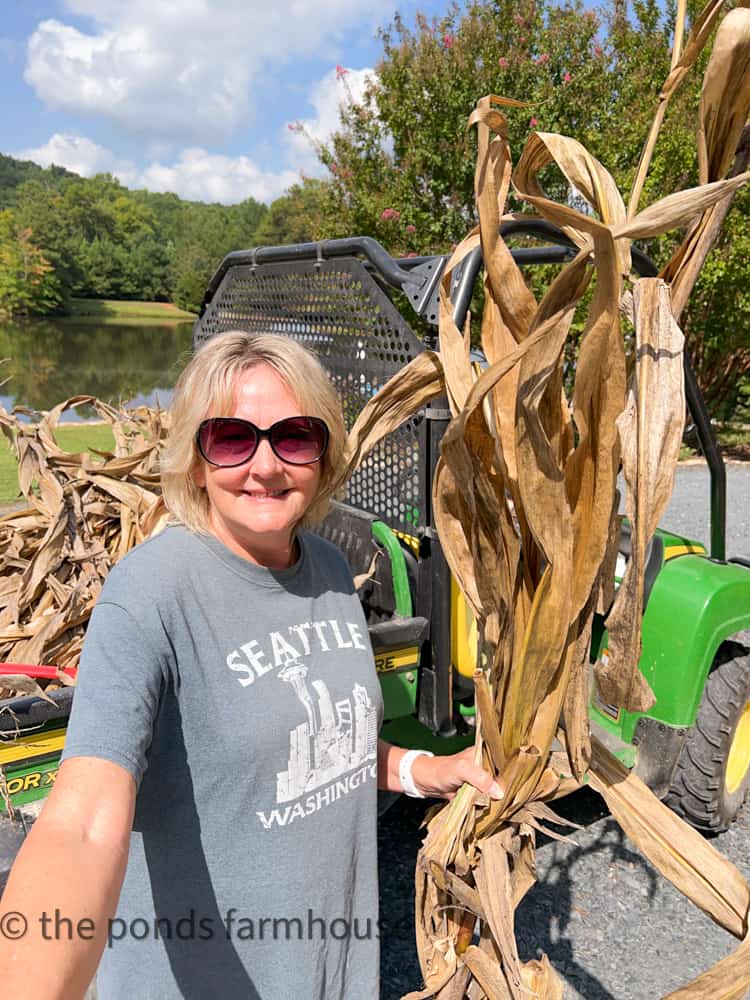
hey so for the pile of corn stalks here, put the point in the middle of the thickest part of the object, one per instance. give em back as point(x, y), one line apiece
point(84, 513)
point(526, 506)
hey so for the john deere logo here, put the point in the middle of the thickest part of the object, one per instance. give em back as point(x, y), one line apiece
point(397, 659)
point(25, 782)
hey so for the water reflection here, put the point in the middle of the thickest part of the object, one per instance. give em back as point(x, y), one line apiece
point(49, 360)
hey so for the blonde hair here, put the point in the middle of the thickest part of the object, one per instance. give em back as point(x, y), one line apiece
point(207, 387)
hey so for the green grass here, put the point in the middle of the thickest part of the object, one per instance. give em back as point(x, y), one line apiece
point(72, 438)
point(114, 310)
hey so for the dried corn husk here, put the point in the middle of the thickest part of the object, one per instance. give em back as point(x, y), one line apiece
point(84, 513)
point(650, 448)
point(682, 61)
point(725, 104)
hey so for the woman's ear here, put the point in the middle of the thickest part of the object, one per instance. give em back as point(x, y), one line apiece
point(199, 475)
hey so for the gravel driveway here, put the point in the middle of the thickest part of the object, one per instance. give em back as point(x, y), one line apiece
point(613, 928)
point(688, 510)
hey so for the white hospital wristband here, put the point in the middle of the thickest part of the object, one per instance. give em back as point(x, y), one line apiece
point(404, 772)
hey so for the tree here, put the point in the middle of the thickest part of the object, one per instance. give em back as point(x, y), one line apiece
point(717, 321)
point(245, 219)
point(15, 172)
point(105, 241)
point(28, 283)
point(40, 207)
point(205, 234)
point(299, 216)
point(402, 166)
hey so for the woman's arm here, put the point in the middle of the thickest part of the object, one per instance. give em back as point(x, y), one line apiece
point(66, 881)
point(434, 777)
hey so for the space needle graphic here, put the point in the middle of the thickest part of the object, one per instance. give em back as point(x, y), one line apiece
point(332, 740)
point(294, 673)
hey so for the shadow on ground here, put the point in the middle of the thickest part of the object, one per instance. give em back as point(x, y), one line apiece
point(546, 920)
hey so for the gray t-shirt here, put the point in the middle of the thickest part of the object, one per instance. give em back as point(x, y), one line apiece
point(246, 705)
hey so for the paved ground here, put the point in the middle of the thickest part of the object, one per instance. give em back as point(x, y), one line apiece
point(613, 928)
point(689, 508)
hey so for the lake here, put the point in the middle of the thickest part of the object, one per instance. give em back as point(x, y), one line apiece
point(51, 359)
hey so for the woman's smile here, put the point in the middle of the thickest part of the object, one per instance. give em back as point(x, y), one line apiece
point(266, 495)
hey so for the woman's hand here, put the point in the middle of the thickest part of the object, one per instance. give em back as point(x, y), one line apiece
point(441, 777)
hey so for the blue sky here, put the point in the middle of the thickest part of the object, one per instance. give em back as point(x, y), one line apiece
point(192, 96)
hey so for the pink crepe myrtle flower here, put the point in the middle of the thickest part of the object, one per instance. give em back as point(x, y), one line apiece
point(566, 77)
point(598, 51)
point(296, 127)
point(390, 215)
point(411, 229)
point(448, 41)
point(503, 62)
point(543, 58)
point(341, 72)
point(533, 122)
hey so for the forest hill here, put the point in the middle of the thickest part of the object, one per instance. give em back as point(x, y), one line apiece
point(64, 236)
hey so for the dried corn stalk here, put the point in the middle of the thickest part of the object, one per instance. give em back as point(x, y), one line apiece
point(84, 513)
point(526, 506)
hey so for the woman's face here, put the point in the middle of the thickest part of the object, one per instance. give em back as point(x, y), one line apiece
point(253, 507)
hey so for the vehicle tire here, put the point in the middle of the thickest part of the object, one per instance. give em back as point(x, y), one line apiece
point(712, 774)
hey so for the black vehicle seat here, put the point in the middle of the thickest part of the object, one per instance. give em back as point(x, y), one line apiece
point(351, 530)
point(653, 562)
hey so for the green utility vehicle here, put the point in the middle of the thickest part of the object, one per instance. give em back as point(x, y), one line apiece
point(347, 300)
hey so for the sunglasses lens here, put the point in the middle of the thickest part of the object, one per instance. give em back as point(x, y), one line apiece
point(299, 440)
point(224, 441)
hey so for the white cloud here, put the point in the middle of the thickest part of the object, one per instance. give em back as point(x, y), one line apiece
point(204, 176)
point(181, 69)
point(336, 89)
point(82, 156)
point(195, 174)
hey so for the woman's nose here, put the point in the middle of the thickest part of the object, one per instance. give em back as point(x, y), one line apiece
point(265, 462)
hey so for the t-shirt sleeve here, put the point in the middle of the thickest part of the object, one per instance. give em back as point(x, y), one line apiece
point(118, 690)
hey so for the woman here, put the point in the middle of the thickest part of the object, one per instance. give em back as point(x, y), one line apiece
point(212, 831)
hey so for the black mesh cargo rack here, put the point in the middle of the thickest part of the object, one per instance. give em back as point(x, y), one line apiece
point(335, 305)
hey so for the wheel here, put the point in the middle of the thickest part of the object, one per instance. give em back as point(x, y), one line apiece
point(712, 774)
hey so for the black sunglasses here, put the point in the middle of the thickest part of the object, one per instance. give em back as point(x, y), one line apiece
point(230, 441)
